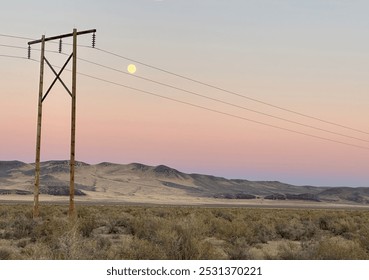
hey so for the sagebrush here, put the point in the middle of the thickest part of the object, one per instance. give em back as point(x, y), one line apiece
point(182, 233)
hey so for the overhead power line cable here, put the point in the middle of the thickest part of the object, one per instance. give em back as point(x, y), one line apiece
point(24, 48)
point(12, 46)
point(206, 97)
point(223, 102)
point(208, 109)
point(210, 86)
point(209, 98)
point(222, 113)
point(15, 37)
point(230, 92)
point(16, 56)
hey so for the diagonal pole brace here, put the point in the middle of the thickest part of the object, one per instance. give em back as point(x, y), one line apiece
point(57, 76)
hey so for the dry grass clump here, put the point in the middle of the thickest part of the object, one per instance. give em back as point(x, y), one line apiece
point(338, 248)
point(182, 233)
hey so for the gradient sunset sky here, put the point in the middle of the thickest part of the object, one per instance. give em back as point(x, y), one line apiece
point(307, 56)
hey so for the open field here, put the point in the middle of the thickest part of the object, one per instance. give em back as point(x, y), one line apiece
point(174, 232)
point(137, 211)
point(184, 201)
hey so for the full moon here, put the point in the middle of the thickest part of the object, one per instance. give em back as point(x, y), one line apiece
point(131, 68)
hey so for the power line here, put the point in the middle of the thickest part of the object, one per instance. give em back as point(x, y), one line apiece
point(207, 97)
point(222, 101)
point(223, 113)
point(214, 99)
point(213, 110)
point(17, 56)
point(12, 46)
point(210, 109)
point(230, 92)
point(25, 48)
point(211, 86)
point(224, 90)
point(15, 37)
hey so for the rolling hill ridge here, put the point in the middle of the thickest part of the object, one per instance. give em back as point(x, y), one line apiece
point(137, 181)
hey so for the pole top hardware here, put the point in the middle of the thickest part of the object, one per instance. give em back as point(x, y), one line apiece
point(61, 36)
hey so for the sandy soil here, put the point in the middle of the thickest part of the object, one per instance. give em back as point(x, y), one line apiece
point(178, 201)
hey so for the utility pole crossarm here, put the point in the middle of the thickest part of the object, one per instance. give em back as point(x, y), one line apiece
point(62, 36)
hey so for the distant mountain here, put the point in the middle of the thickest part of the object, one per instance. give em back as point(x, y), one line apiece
point(137, 181)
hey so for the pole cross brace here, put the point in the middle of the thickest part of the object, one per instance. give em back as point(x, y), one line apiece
point(57, 77)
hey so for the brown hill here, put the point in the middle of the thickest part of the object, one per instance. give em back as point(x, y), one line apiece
point(135, 182)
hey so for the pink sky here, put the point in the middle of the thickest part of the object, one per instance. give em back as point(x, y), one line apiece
point(306, 58)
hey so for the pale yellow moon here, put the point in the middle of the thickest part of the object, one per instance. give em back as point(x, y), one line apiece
point(131, 68)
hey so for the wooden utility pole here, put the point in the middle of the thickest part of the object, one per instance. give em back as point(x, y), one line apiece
point(42, 97)
point(36, 191)
point(73, 126)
